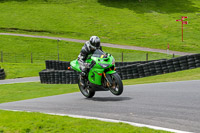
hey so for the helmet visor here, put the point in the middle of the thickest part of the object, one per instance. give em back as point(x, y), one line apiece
point(98, 44)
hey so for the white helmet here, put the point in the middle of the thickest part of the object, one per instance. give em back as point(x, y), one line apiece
point(95, 42)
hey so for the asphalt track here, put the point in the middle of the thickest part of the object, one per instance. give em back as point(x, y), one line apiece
point(20, 80)
point(174, 105)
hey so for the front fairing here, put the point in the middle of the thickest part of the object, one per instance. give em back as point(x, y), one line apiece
point(96, 73)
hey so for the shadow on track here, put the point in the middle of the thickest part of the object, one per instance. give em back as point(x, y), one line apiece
point(110, 99)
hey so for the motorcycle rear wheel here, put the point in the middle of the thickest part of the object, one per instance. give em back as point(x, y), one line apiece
point(85, 91)
point(117, 87)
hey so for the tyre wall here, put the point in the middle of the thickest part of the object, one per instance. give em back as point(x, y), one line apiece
point(2, 74)
point(56, 71)
point(159, 67)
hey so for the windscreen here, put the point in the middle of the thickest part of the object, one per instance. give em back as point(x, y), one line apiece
point(98, 53)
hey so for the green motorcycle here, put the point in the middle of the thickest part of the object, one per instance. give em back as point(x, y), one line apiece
point(101, 75)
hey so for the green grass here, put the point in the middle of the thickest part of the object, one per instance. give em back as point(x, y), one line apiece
point(19, 49)
point(21, 70)
point(24, 122)
point(22, 91)
point(192, 74)
point(17, 54)
point(150, 23)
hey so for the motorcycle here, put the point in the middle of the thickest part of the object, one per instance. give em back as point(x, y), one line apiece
point(101, 75)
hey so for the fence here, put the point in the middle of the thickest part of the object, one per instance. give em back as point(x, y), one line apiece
point(29, 57)
point(41, 57)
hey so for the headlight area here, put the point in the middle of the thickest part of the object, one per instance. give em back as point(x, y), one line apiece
point(110, 69)
point(113, 61)
point(104, 65)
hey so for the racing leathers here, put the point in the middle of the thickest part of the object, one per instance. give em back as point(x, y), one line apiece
point(85, 51)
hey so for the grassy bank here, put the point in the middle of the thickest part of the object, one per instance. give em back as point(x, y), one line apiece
point(19, 49)
point(21, 70)
point(16, 122)
point(148, 23)
point(22, 91)
point(17, 53)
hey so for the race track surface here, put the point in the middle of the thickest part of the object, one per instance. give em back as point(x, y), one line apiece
point(20, 80)
point(174, 105)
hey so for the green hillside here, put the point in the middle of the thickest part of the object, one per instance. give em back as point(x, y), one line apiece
point(16, 54)
point(19, 49)
point(150, 23)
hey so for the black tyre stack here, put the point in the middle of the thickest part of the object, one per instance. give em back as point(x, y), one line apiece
point(170, 65)
point(176, 64)
point(146, 68)
point(191, 61)
point(56, 71)
point(2, 74)
point(197, 60)
point(141, 70)
point(158, 67)
point(132, 70)
point(183, 63)
point(152, 68)
point(57, 65)
point(164, 66)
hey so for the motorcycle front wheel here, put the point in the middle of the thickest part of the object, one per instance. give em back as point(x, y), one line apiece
point(117, 85)
point(85, 90)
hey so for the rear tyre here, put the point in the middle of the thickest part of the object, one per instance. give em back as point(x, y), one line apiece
point(85, 90)
point(117, 87)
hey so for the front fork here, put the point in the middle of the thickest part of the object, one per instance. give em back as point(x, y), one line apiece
point(108, 78)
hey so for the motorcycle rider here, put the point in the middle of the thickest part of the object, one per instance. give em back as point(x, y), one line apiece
point(88, 48)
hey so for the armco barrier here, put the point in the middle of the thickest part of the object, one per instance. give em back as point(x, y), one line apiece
point(56, 71)
point(2, 74)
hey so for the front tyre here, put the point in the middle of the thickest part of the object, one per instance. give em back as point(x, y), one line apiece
point(117, 86)
point(85, 91)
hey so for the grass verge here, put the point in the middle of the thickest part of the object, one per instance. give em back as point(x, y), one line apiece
point(22, 91)
point(24, 122)
point(21, 70)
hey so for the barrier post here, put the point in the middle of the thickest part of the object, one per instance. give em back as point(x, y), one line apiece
point(31, 57)
point(58, 48)
point(122, 57)
point(147, 56)
point(1, 56)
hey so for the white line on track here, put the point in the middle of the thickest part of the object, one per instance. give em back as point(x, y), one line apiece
point(110, 120)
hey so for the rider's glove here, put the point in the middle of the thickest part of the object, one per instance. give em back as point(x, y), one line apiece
point(87, 65)
point(92, 63)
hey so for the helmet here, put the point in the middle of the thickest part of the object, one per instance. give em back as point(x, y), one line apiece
point(95, 42)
